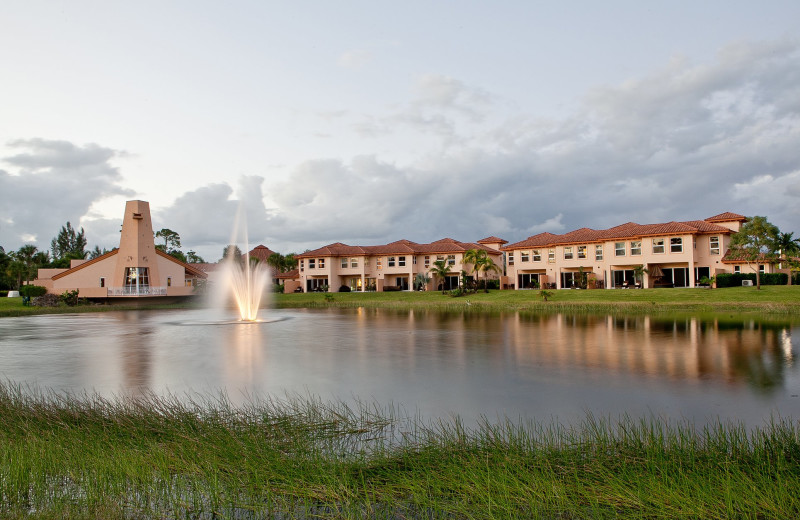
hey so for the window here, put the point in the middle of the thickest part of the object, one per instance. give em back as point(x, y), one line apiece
point(636, 248)
point(598, 252)
point(676, 245)
point(321, 263)
point(401, 261)
point(737, 269)
point(537, 256)
point(582, 251)
point(619, 248)
point(102, 282)
point(427, 262)
point(526, 256)
point(658, 245)
point(713, 243)
point(451, 259)
point(761, 268)
point(344, 263)
point(354, 262)
point(510, 257)
point(568, 253)
point(302, 267)
point(390, 262)
point(379, 263)
point(169, 281)
point(137, 277)
point(414, 260)
point(551, 256)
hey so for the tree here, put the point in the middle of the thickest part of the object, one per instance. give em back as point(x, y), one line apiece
point(69, 244)
point(28, 258)
point(94, 253)
point(440, 270)
point(481, 263)
point(5, 263)
point(233, 252)
point(788, 251)
point(172, 240)
point(755, 243)
point(193, 258)
point(282, 263)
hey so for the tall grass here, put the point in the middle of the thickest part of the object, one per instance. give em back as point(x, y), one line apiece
point(154, 456)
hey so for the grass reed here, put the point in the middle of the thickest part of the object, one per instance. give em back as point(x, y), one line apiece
point(77, 456)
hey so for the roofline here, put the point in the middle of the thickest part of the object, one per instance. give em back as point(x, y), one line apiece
point(188, 267)
point(85, 264)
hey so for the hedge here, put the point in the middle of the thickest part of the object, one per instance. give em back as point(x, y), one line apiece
point(735, 279)
point(32, 291)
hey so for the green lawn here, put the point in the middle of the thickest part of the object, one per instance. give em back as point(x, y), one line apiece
point(13, 307)
point(768, 300)
point(771, 299)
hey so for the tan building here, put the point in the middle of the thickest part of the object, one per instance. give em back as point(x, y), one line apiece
point(675, 254)
point(388, 267)
point(135, 269)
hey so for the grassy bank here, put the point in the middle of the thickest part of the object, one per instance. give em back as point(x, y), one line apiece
point(10, 307)
point(68, 457)
point(770, 300)
point(776, 300)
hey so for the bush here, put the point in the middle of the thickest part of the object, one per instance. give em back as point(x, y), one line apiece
point(32, 291)
point(735, 279)
point(344, 288)
point(390, 288)
point(70, 297)
point(796, 278)
point(458, 291)
point(3, 294)
point(277, 288)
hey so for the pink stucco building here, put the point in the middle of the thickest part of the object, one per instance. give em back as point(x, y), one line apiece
point(135, 269)
point(393, 265)
point(674, 254)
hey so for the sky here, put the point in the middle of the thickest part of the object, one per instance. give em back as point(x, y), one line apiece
point(366, 122)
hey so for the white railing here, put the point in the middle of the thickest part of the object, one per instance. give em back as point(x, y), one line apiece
point(142, 290)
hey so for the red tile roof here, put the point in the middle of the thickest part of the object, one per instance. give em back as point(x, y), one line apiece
point(492, 240)
point(261, 252)
point(727, 217)
point(445, 245)
point(289, 275)
point(623, 231)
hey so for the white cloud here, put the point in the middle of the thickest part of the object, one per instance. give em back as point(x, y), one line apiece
point(52, 182)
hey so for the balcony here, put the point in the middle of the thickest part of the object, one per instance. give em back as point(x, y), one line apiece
point(142, 290)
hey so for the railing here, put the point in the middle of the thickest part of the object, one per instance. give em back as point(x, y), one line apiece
point(142, 290)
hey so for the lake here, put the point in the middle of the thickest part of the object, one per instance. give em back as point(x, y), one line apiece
point(512, 365)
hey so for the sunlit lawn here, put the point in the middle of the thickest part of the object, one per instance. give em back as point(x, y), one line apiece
point(781, 299)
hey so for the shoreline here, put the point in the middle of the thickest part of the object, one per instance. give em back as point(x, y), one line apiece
point(772, 301)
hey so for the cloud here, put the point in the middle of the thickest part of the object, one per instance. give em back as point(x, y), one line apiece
point(51, 182)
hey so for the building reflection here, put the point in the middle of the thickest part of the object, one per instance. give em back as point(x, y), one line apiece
point(736, 352)
point(136, 356)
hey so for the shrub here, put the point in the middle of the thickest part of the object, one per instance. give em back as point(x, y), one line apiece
point(458, 291)
point(32, 291)
point(3, 294)
point(735, 279)
point(344, 288)
point(70, 297)
point(390, 288)
point(277, 288)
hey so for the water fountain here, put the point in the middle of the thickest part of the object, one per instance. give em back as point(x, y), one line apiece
point(246, 278)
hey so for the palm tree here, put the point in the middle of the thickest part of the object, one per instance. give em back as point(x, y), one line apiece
point(440, 270)
point(481, 262)
point(485, 265)
point(27, 256)
point(788, 250)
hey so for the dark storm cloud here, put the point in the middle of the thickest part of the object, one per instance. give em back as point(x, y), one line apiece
point(52, 182)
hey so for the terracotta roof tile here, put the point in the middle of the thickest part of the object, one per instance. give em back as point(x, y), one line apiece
point(289, 275)
point(726, 217)
point(261, 252)
point(492, 240)
point(445, 245)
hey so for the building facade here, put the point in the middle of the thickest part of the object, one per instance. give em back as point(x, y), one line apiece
point(671, 254)
point(391, 266)
point(134, 269)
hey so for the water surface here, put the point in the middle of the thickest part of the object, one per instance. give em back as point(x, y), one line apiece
point(515, 365)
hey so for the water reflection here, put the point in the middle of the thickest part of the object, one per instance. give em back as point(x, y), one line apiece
point(434, 363)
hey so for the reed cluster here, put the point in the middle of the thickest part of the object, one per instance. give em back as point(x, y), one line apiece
point(75, 456)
